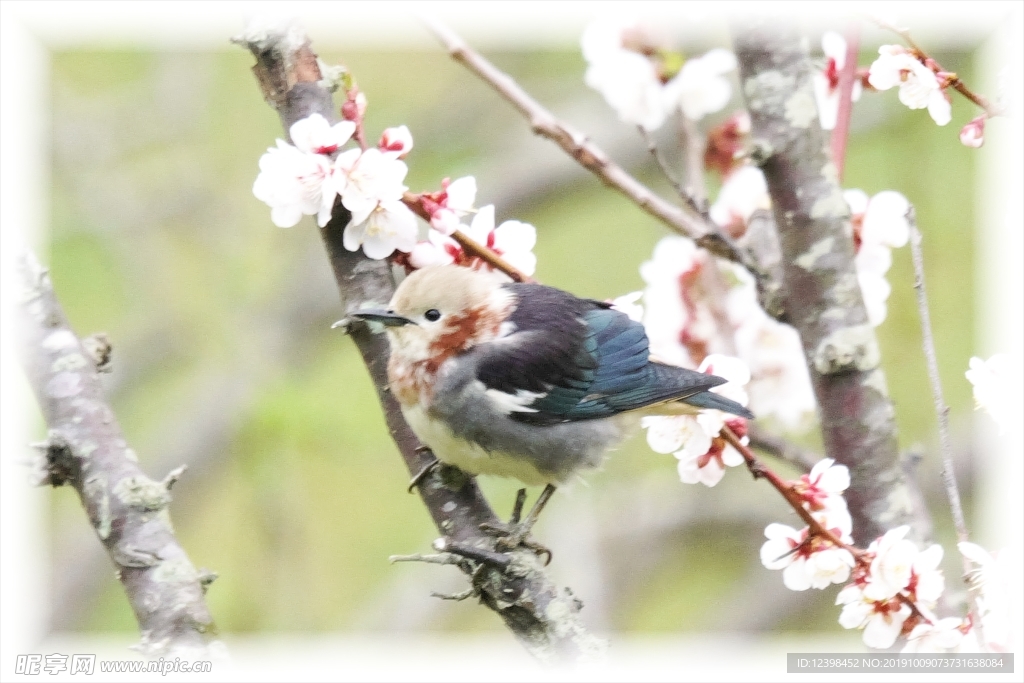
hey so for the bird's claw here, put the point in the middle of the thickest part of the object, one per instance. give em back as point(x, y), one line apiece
point(422, 474)
point(516, 535)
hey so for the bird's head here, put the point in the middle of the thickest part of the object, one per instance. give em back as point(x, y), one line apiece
point(438, 312)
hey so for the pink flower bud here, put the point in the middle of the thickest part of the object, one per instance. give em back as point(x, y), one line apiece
point(354, 108)
point(973, 134)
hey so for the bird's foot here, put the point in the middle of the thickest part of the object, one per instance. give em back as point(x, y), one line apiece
point(516, 533)
point(427, 469)
point(512, 536)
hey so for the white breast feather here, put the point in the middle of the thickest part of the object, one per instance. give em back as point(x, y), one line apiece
point(468, 456)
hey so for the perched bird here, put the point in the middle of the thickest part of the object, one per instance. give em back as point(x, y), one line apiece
point(524, 380)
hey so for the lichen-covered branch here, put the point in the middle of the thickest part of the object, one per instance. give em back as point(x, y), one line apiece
point(544, 617)
point(823, 298)
point(86, 450)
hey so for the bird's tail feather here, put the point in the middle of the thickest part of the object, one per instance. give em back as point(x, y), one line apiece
point(709, 399)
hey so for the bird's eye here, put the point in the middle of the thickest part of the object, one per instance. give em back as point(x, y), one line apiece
point(432, 315)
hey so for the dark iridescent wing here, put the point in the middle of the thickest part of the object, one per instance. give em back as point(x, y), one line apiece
point(575, 359)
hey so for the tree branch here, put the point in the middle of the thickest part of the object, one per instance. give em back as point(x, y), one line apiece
point(586, 153)
point(542, 616)
point(823, 298)
point(86, 449)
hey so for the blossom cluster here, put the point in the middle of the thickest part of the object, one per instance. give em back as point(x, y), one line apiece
point(809, 560)
point(895, 592)
point(645, 83)
point(512, 240)
point(306, 177)
point(696, 306)
point(695, 440)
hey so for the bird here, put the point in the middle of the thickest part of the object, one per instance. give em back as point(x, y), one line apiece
point(524, 380)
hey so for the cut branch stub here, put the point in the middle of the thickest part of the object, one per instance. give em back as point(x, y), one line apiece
point(823, 297)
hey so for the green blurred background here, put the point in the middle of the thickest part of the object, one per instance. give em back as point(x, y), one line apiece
point(225, 360)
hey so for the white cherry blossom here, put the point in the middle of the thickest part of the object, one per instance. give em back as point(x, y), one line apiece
point(882, 621)
point(826, 82)
point(315, 135)
point(295, 184)
point(944, 635)
point(732, 369)
point(743, 192)
point(706, 468)
point(892, 565)
point(512, 240)
point(780, 384)
point(627, 80)
point(805, 564)
point(695, 441)
point(996, 384)
point(456, 201)
point(992, 580)
point(371, 177)
point(390, 225)
point(880, 224)
point(898, 566)
point(919, 86)
point(701, 88)
point(822, 488)
point(437, 250)
point(885, 219)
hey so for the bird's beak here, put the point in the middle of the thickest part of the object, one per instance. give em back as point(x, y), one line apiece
point(386, 318)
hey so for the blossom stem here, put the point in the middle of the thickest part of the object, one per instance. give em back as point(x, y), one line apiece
point(760, 470)
point(468, 244)
point(952, 81)
point(670, 176)
point(847, 77)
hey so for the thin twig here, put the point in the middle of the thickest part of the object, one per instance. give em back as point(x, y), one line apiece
point(693, 144)
point(670, 176)
point(580, 148)
point(941, 409)
point(468, 244)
